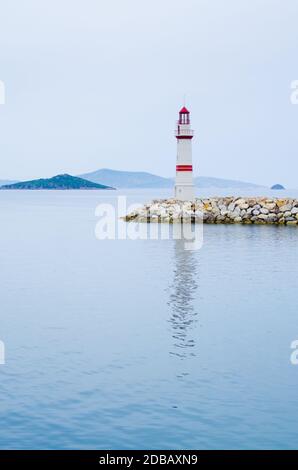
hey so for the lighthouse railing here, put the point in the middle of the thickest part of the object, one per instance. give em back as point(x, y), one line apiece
point(186, 132)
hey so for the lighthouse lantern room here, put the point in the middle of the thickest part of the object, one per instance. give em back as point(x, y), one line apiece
point(184, 188)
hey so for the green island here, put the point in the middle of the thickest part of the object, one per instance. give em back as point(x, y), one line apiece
point(62, 182)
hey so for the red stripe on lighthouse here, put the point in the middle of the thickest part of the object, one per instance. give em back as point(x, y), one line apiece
point(184, 137)
point(183, 167)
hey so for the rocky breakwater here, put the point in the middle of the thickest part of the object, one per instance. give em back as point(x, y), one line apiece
point(220, 210)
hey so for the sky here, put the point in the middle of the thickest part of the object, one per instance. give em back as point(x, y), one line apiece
point(92, 84)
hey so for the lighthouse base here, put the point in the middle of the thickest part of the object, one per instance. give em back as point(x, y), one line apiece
point(184, 192)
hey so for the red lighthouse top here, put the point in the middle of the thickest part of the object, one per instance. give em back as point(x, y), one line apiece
point(184, 110)
point(184, 116)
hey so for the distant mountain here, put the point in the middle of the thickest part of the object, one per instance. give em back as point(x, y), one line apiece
point(111, 179)
point(3, 182)
point(57, 182)
point(210, 182)
point(137, 179)
point(128, 179)
point(278, 187)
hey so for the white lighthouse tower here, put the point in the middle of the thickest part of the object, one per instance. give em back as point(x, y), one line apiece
point(184, 188)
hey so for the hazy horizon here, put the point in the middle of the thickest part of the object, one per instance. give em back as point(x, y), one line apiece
point(92, 85)
point(172, 177)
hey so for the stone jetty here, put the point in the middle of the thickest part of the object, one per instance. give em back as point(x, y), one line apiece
point(219, 210)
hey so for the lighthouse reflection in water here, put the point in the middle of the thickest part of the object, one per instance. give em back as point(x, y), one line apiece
point(182, 291)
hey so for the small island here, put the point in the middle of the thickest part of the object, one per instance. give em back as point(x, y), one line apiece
point(62, 182)
point(278, 187)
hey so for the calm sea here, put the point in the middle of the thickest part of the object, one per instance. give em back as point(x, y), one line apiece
point(124, 344)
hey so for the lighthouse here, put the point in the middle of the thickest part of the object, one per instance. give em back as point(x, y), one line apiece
point(184, 188)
